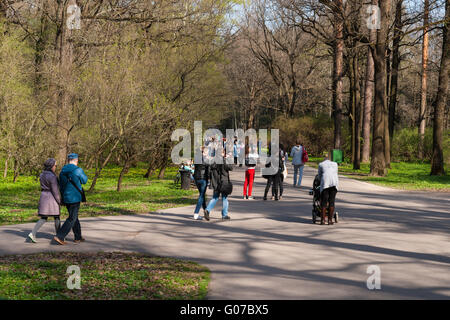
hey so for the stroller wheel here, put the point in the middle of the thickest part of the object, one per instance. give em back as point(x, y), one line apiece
point(336, 217)
point(314, 216)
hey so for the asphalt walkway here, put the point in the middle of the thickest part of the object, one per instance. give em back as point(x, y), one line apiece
point(271, 249)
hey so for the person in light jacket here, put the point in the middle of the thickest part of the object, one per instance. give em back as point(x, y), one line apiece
point(297, 162)
point(329, 180)
point(50, 200)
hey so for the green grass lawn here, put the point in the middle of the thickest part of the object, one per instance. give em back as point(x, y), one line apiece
point(103, 276)
point(18, 201)
point(402, 175)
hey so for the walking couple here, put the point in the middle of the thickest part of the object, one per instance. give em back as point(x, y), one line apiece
point(219, 180)
point(66, 190)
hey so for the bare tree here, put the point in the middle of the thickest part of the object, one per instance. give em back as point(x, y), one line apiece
point(437, 161)
point(378, 161)
point(423, 91)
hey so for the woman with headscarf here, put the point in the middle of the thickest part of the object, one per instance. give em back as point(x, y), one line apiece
point(50, 200)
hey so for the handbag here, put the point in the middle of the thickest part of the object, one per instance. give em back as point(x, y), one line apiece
point(225, 188)
point(305, 156)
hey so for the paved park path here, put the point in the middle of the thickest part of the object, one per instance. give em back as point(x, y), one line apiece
point(271, 250)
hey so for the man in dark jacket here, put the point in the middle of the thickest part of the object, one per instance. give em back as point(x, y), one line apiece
point(71, 178)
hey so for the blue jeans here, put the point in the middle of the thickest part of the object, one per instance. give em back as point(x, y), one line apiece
point(201, 202)
point(214, 200)
point(298, 168)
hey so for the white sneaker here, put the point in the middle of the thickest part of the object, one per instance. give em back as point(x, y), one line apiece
point(251, 198)
point(197, 217)
point(30, 236)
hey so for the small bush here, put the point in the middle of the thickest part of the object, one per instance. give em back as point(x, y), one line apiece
point(316, 134)
point(405, 144)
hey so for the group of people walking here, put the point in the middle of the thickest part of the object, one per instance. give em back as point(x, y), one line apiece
point(67, 189)
point(217, 177)
point(57, 192)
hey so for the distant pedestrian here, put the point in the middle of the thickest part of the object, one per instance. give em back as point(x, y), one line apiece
point(250, 164)
point(273, 180)
point(297, 162)
point(222, 186)
point(235, 150)
point(71, 178)
point(50, 200)
point(280, 178)
point(201, 173)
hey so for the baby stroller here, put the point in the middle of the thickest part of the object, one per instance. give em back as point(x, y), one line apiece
point(317, 208)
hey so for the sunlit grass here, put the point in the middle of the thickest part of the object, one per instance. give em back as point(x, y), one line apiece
point(402, 175)
point(19, 200)
point(103, 276)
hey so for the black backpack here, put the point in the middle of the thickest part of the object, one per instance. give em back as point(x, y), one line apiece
point(224, 187)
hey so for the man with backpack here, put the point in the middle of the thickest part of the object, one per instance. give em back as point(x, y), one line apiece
point(71, 178)
point(299, 158)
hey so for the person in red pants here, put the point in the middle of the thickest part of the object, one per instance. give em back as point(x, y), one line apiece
point(250, 164)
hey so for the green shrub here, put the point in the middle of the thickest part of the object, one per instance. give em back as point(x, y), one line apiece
point(404, 146)
point(315, 133)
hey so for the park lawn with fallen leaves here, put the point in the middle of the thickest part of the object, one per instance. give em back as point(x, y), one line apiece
point(104, 276)
point(19, 200)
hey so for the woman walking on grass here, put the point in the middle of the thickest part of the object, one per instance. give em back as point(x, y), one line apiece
point(50, 200)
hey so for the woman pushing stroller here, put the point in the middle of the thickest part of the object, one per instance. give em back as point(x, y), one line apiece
point(328, 175)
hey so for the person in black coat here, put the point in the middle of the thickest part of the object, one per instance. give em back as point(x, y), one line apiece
point(274, 179)
point(221, 184)
point(279, 176)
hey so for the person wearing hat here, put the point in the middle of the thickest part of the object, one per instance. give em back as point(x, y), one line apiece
point(50, 199)
point(329, 180)
point(71, 178)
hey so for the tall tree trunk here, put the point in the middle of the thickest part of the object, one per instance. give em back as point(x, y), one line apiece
point(351, 104)
point(423, 91)
point(437, 161)
point(387, 144)
point(368, 98)
point(395, 67)
point(378, 161)
point(338, 70)
point(61, 96)
point(356, 115)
